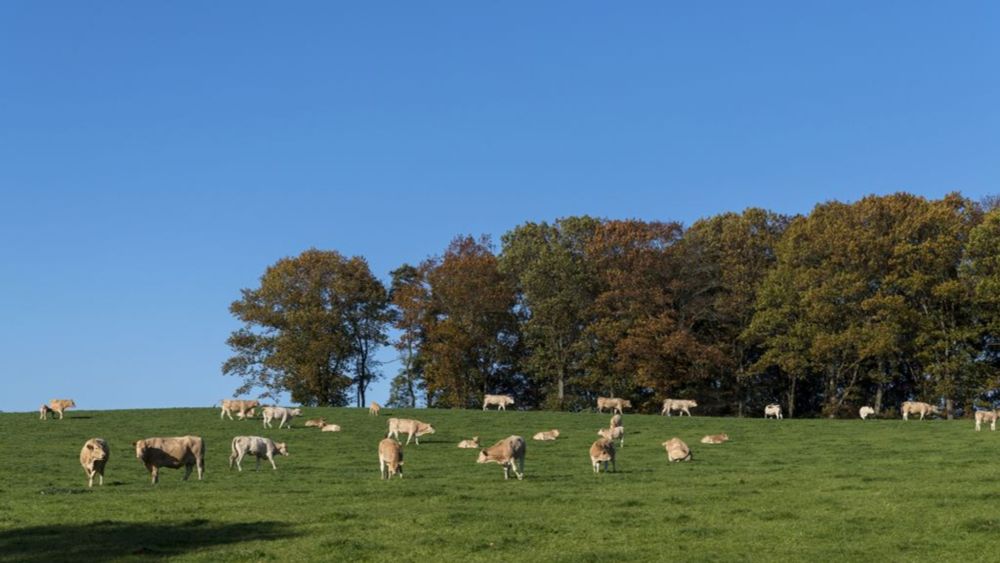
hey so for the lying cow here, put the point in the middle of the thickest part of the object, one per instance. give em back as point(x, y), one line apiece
point(616, 405)
point(509, 453)
point(155, 453)
point(330, 428)
point(315, 423)
point(240, 406)
point(61, 405)
point(501, 401)
point(916, 407)
point(612, 433)
point(681, 405)
point(279, 413)
point(258, 447)
point(715, 439)
point(93, 457)
point(390, 458)
point(986, 416)
point(374, 409)
point(601, 452)
point(546, 436)
point(677, 450)
point(469, 444)
point(866, 411)
point(409, 426)
point(774, 409)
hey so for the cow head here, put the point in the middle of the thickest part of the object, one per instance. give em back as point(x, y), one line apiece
point(935, 410)
point(96, 454)
point(71, 403)
point(425, 429)
point(694, 403)
point(281, 447)
point(555, 432)
point(483, 457)
point(295, 412)
point(627, 403)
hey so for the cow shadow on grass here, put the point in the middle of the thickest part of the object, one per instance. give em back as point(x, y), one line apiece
point(114, 540)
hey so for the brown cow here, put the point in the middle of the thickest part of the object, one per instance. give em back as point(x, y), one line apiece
point(410, 426)
point(546, 436)
point(616, 405)
point(315, 423)
point(469, 444)
point(93, 457)
point(677, 450)
point(390, 458)
point(61, 405)
point(240, 406)
point(715, 439)
point(601, 452)
point(509, 453)
point(916, 407)
point(155, 453)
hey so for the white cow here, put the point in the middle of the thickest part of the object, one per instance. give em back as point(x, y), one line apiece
point(279, 413)
point(986, 416)
point(501, 401)
point(774, 409)
point(681, 405)
point(917, 407)
point(256, 446)
point(865, 412)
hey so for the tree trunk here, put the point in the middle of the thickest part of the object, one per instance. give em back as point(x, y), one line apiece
point(791, 399)
point(878, 399)
point(949, 408)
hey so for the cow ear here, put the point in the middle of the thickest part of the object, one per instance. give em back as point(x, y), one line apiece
point(90, 446)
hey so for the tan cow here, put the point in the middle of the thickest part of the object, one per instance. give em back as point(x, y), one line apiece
point(330, 428)
point(43, 412)
point(509, 453)
point(715, 439)
point(374, 409)
point(866, 411)
point(616, 420)
point(916, 407)
point(774, 409)
point(601, 452)
point(469, 444)
point(409, 426)
point(283, 414)
point(616, 405)
point(155, 453)
point(677, 450)
point(546, 436)
point(390, 458)
point(681, 405)
point(258, 447)
point(501, 401)
point(93, 457)
point(612, 433)
point(315, 423)
point(61, 405)
point(242, 407)
point(986, 416)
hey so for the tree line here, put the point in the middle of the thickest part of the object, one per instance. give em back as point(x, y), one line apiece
point(887, 299)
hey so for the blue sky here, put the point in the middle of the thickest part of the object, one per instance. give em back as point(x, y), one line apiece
point(156, 157)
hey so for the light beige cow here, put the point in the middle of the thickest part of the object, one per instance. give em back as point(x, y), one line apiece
point(616, 420)
point(501, 401)
point(390, 458)
point(257, 446)
point(612, 433)
point(986, 416)
point(410, 427)
point(187, 451)
point(93, 457)
point(374, 409)
point(469, 444)
point(616, 405)
point(681, 405)
point(61, 405)
point(774, 409)
point(715, 439)
point(677, 450)
point(283, 414)
point(315, 423)
point(866, 411)
point(509, 453)
point(546, 436)
point(917, 407)
point(242, 407)
point(43, 412)
point(330, 428)
point(602, 451)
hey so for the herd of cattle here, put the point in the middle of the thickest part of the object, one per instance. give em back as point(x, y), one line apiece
point(189, 451)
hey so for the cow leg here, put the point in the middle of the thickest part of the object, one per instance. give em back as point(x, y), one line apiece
point(993, 425)
point(484, 406)
point(257, 457)
point(90, 478)
point(200, 464)
point(382, 473)
point(506, 471)
point(188, 468)
point(977, 425)
point(408, 436)
point(239, 460)
point(270, 458)
point(155, 474)
point(100, 477)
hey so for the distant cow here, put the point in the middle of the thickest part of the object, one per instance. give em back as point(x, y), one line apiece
point(677, 450)
point(616, 420)
point(243, 415)
point(469, 444)
point(258, 447)
point(681, 405)
point(330, 428)
point(865, 412)
point(61, 405)
point(242, 408)
point(774, 409)
point(410, 427)
point(501, 401)
point(916, 407)
point(43, 412)
point(715, 439)
point(279, 413)
point(546, 436)
point(155, 453)
point(601, 452)
point(315, 423)
point(986, 416)
point(390, 458)
point(93, 457)
point(374, 409)
point(612, 433)
point(616, 405)
point(509, 453)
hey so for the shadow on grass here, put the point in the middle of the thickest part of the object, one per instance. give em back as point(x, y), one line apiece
point(113, 540)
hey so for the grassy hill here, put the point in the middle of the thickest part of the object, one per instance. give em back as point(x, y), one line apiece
point(802, 490)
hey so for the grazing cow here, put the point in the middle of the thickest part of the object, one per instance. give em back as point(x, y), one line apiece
point(509, 453)
point(258, 447)
point(681, 405)
point(155, 453)
point(409, 426)
point(469, 444)
point(243, 408)
point(774, 409)
point(986, 416)
point(916, 407)
point(677, 450)
point(601, 452)
point(715, 439)
point(330, 428)
point(612, 433)
point(61, 405)
point(390, 458)
point(616, 405)
point(279, 413)
point(546, 436)
point(501, 401)
point(616, 420)
point(865, 412)
point(374, 409)
point(43, 412)
point(315, 423)
point(93, 457)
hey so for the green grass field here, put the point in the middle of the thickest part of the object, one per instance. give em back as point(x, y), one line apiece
point(792, 490)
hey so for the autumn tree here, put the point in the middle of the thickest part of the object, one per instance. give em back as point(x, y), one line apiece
point(411, 301)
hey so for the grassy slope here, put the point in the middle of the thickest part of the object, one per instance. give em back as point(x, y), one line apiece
point(789, 490)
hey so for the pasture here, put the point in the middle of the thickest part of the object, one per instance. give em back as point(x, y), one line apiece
point(791, 490)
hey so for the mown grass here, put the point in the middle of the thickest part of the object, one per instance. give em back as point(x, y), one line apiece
point(792, 490)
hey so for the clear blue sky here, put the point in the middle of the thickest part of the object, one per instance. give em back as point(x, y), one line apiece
point(156, 157)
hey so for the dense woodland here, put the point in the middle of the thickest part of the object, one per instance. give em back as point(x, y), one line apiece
point(887, 299)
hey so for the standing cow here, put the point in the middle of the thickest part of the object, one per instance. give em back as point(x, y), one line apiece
point(242, 408)
point(986, 416)
point(917, 407)
point(616, 405)
point(681, 405)
point(285, 415)
point(390, 458)
point(374, 408)
point(509, 453)
point(501, 401)
point(774, 409)
point(61, 405)
point(411, 427)
point(601, 452)
point(187, 451)
point(258, 447)
point(93, 457)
